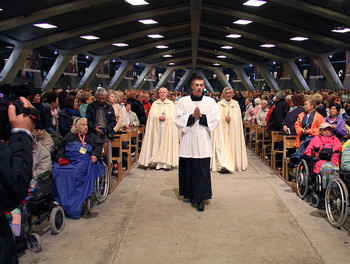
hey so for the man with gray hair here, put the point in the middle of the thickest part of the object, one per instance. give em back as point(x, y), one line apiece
point(228, 138)
point(101, 117)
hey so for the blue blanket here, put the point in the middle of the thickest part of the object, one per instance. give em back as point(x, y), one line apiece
point(75, 182)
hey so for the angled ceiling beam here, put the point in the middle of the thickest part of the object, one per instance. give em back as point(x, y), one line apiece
point(343, 19)
point(228, 55)
point(17, 21)
point(184, 79)
point(244, 78)
point(196, 12)
point(119, 75)
point(221, 76)
point(277, 24)
point(262, 38)
point(207, 84)
point(74, 32)
point(258, 52)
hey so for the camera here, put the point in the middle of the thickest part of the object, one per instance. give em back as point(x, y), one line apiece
point(103, 130)
point(9, 94)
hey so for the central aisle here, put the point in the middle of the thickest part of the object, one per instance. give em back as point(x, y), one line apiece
point(253, 218)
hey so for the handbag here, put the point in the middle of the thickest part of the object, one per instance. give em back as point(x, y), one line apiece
point(325, 154)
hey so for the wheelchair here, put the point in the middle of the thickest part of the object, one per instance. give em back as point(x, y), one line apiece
point(101, 189)
point(36, 208)
point(337, 199)
point(308, 182)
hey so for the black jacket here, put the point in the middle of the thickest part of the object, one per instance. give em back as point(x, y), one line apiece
point(90, 138)
point(137, 107)
point(321, 109)
point(108, 110)
point(278, 114)
point(15, 175)
point(291, 118)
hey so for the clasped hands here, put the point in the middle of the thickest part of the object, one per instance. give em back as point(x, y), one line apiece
point(197, 113)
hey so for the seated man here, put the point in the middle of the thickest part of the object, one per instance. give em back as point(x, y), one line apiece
point(77, 168)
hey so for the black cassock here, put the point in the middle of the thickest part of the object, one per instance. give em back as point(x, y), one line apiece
point(194, 179)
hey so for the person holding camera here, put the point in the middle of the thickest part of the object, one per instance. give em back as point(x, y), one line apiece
point(101, 117)
point(15, 175)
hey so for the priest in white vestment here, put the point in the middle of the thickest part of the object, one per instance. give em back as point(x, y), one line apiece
point(228, 138)
point(196, 116)
point(161, 145)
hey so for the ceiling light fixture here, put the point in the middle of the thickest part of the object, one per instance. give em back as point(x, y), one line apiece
point(167, 56)
point(255, 3)
point(299, 38)
point(172, 63)
point(44, 25)
point(148, 21)
point(89, 37)
point(137, 2)
point(341, 30)
point(233, 36)
point(120, 44)
point(162, 47)
point(242, 22)
point(1, 9)
point(227, 47)
point(155, 36)
point(221, 57)
point(216, 64)
point(267, 45)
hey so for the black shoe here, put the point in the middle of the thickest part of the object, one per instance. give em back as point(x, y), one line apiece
point(200, 206)
point(224, 170)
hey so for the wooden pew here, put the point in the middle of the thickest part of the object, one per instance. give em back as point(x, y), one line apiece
point(117, 156)
point(125, 138)
point(141, 130)
point(106, 152)
point(247, 128)
point(259, 140)
point(134, 143)
point(276, 137)
point(288, 143)
point(266, 148)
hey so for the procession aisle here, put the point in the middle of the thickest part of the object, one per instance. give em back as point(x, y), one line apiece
point(254, 217)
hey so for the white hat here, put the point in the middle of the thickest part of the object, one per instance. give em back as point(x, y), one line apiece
point(325, 125)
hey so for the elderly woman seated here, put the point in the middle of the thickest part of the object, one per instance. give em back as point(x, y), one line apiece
point(78, 167)
point(328, 147)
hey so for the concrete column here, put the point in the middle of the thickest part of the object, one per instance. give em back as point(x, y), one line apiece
point(296, 74)
point(184, 79)
point(222, 77)
point(91, 72)
point(268, 77)
point(141, 80)
point(119, 75)
point(329, 72)
point(56, 71)
point(244, 78)
point(167, 74)
point(14, 64)
point(207, 84)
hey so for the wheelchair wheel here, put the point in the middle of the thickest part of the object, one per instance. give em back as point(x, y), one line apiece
point(314, 200)
point(337, 202)
point(302, 179)
point(57, 220)
point(102, 186)
point(34, 242)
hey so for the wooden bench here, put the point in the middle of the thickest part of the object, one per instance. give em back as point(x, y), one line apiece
point(117, 156)
point(251, 145)
point(125, 138)
point(134, 134)
point(288, 143)
point(141, 130)
point(247, 129)
point(276, 137)
point(259, 140)
point(106, 152)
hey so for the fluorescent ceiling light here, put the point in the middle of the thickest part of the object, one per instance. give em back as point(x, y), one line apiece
point(242, 22)
point(267, 45)
point(172, 63)
point(137, 2)
point(148, 21)
point(221, 57)
point(1, 9)
point(162, 47)
point(155, 36)
point(227, 47)
point(254, 3)
point(233, 36)
point(44, 25)
point(216, 64)
point(299, 38)
point(120, 44)
point(341, 30)
point(89, 37)
point(167, 56)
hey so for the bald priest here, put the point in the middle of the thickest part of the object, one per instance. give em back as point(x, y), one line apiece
point(160, 146)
